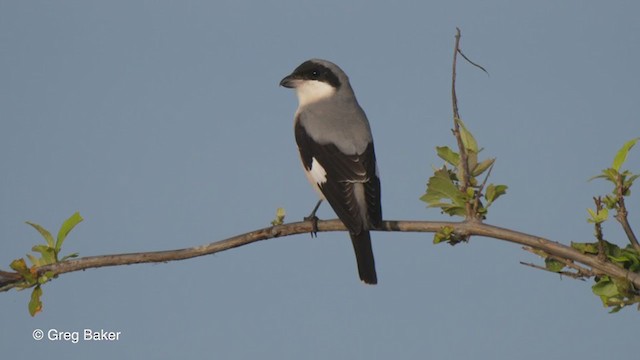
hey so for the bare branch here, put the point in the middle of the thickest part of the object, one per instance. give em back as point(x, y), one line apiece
point(464, 163)
point(464, 228)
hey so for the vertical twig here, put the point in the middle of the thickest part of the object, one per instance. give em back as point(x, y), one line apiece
point(476, 203)
point(464, 163)
point(621, 214)
point(602, 246)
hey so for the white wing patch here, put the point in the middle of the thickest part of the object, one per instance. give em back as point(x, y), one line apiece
point(316, 176)
point(317, 172)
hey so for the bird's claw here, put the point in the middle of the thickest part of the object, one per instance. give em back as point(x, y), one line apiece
point(314, 224)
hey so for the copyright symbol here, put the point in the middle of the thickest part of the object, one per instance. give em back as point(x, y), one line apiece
point(38, 334)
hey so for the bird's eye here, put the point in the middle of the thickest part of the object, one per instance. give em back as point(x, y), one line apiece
point(314, 73)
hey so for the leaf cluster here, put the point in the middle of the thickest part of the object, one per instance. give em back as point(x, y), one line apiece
point(614, 293)
point(453, 192)
point(621, 180)
point(49, 254)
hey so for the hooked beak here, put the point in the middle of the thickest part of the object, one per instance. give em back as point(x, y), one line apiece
point(289, 81)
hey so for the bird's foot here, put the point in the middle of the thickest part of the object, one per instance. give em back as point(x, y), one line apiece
point(314, 220)
point(314, 224)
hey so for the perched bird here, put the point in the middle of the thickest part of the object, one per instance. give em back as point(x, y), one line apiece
point(336, 146)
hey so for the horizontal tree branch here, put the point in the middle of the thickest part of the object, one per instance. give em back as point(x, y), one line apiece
point(464, 228)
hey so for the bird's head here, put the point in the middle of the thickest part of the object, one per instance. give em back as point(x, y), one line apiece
point(316, 80)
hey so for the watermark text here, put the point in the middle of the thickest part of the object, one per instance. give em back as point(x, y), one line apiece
point(75, 337)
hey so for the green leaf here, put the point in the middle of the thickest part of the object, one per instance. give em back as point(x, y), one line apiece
point(47, 276)
point(472, 160)
point(493, 192)
point(34, 260)
point(444, 234)
point(44, 232)
point(629, 182)
point(610, 201)
point(437, 204)
point(439, 187)
point(453, 210)
point(627, 258)
point(482, 167)
point(35, 305)
point(607, 174)
point(585, 248)
point(599, 217)
point(603, 215)
point(279, 220)
point(553, 265)
point(66, 227)
point(448, 234)
point(470, 193)
point(621, 156)
point(48, 254)
point(20, 266)
point(43, 279)
point(468, 140)
point(615, 309)
point(73, 255)
point(448, 155)
point(605, 288)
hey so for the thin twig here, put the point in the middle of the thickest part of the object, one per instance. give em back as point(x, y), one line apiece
point(621, 214)
point(472, 63)
point(583, 271)
point(602, 245)
point(622, 218)
point(563, 273)
point(476, 203)
point(454, 98)
point(464, 163)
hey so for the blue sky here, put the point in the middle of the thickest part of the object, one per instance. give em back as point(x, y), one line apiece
point(163, 124)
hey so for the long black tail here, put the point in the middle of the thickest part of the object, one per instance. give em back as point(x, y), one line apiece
point(364, 257)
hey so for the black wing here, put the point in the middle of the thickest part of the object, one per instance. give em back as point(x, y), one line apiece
point(343, 171)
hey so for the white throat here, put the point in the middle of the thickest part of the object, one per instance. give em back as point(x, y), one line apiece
point(310, 91)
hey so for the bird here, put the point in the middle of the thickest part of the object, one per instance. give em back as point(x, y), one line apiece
point(336, 148)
